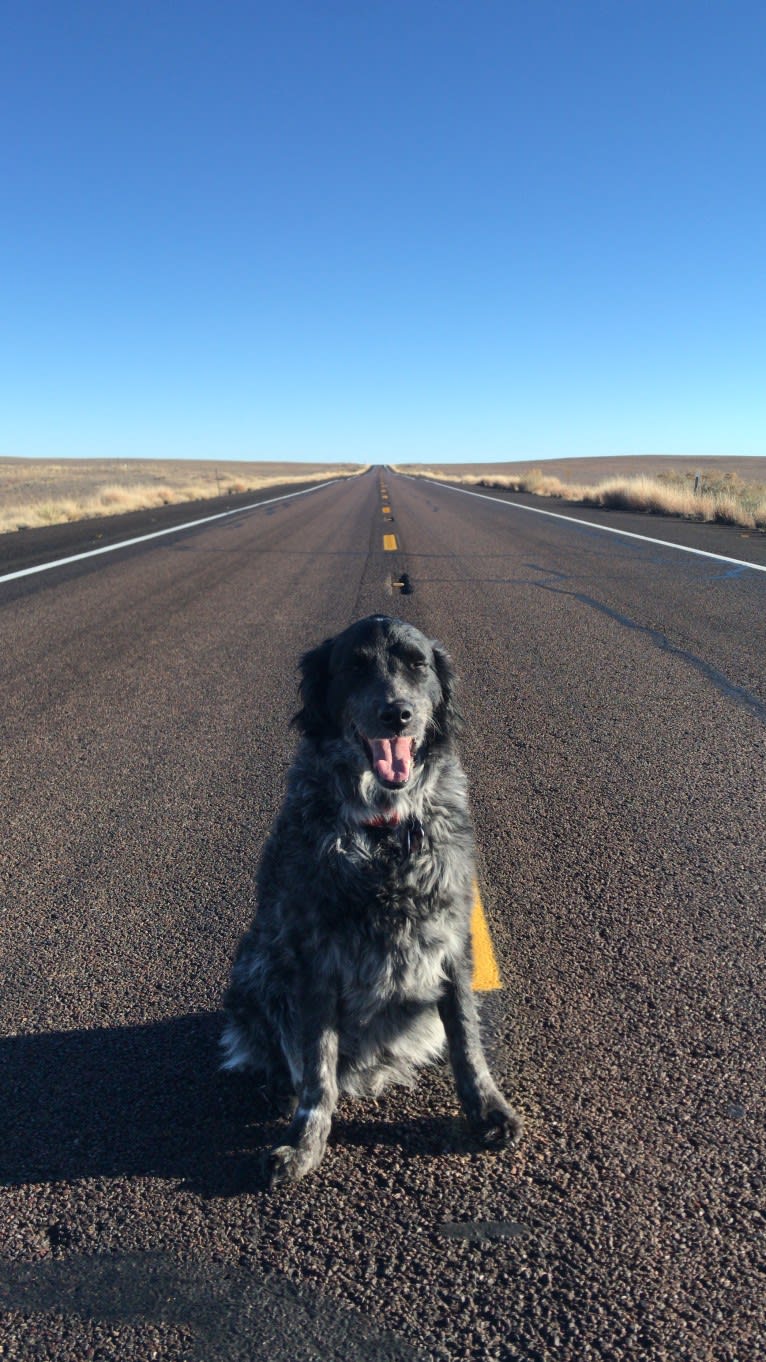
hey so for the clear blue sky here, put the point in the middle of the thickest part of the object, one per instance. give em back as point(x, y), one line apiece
point(382, 229)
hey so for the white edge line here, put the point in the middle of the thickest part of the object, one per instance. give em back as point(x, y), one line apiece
point(591, 524)
point(156, 534)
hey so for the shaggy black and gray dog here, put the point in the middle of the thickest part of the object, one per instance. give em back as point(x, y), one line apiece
point(359, 959)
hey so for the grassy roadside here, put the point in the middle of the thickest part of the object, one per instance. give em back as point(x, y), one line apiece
point(115, 497)
point(723, 498)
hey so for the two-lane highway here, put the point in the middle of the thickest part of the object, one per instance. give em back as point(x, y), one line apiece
point(615, 707)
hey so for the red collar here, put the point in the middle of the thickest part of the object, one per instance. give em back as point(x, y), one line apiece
point(382, 820)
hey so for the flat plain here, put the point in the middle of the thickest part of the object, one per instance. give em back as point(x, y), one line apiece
point(580, 470)
point(35, 492)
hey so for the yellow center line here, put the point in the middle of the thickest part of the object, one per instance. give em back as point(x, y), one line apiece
point(389, 542)
point(486, 975)
point(386, 510)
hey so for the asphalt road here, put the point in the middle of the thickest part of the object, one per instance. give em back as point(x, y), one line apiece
point(615, 703)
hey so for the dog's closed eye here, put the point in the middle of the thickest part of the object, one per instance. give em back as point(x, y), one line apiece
point(414, 660)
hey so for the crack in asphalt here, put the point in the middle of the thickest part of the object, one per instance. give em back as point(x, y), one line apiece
point(738, 694)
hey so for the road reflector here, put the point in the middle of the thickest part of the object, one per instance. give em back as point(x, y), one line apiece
point(386, 510)
point(486, 975)
point(389, 542)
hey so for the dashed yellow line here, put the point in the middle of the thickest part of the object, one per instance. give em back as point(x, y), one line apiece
point(389, 542)
point(486, 975)
point(386, 510)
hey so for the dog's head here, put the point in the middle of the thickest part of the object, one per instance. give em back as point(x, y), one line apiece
point(386, 689)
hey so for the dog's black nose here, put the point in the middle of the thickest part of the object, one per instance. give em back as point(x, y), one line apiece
point(397, 714)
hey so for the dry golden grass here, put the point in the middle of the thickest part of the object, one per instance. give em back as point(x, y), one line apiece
point(35, 492)
point(725, 497)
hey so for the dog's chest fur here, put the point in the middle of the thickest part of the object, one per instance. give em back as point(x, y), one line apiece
point(378, 921)
point(392, 947)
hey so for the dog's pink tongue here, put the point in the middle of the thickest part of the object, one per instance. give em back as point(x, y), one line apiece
point(391, 758)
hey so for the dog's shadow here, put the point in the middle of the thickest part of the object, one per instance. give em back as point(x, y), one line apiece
point(150, 1101)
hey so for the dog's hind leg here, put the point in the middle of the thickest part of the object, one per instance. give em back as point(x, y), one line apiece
point(307, 1136)
point(487, 1110)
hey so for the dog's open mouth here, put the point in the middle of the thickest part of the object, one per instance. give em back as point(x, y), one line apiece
point(391, 759)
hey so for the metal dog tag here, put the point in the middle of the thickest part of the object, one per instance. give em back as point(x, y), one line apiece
point(414, 832)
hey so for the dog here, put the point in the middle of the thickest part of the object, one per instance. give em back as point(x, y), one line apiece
point(358, 963)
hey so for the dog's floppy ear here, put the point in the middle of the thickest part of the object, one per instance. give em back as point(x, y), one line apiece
point(447, 716)
point(314, 719)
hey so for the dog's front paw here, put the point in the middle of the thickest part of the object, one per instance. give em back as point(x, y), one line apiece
point(290, 1163)
point(496, 1123)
